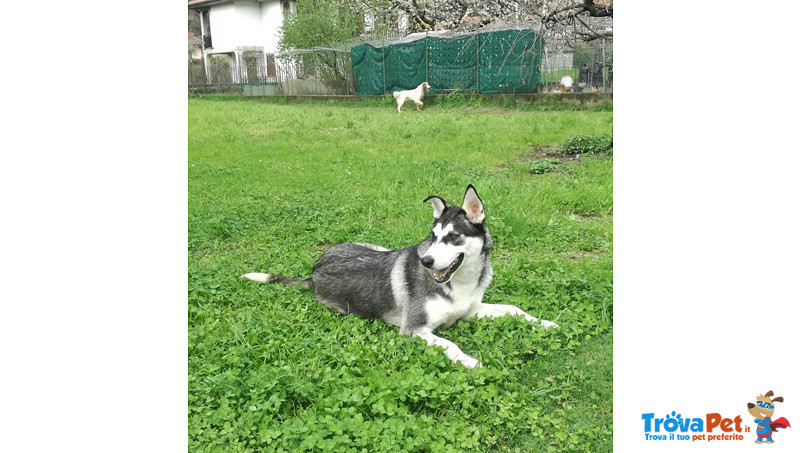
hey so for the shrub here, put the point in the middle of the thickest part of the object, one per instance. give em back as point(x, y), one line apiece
point(452, 99)
point(580, 144)
point(541, 167)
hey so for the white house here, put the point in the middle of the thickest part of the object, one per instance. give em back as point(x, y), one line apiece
point(239, 28)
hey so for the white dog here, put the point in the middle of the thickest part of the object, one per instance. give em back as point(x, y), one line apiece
point(411, 95)
point(565, 84)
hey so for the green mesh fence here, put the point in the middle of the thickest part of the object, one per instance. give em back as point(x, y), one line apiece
point(493, 62)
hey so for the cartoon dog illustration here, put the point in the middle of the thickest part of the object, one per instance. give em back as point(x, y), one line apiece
point(762, 411)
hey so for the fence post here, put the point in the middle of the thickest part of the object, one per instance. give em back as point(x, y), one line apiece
point(383, 53)
point(347, 68)
point(478, 63)
point(426, 57)
point(604, 65)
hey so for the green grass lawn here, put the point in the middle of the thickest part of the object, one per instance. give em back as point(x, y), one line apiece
point(270, 369)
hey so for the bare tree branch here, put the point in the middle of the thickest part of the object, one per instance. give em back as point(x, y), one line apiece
point(592, 35)
point(564, 21)
point(566, 16)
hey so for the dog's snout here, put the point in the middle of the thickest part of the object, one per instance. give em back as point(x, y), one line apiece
point(427, 261)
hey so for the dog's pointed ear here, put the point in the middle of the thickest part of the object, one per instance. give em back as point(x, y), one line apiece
point(438, 205)
point(473, 205)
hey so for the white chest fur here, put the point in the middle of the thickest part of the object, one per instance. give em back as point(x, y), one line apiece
point(465, 293)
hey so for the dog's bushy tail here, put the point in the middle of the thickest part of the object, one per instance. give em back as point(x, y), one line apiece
point(269, 278)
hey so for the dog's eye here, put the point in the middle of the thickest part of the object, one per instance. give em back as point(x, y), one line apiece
point(453, 236)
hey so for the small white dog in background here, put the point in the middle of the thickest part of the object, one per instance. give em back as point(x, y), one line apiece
point(411, 95)
point(565, 84)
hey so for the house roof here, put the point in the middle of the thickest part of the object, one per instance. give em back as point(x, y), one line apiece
point(197, 3)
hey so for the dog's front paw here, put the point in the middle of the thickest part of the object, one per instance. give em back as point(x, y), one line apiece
point(469, 362)
point(547, 324)
point(542, 322)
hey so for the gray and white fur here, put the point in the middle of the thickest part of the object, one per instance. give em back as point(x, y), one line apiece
point(420, 288)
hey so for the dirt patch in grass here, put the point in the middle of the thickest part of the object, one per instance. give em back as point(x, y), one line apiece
point(538, 153)
point(544, 159)
point(541, 160)
point(586, 216)
point(583, 254)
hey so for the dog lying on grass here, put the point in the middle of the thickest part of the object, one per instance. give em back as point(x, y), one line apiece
point(420, 288)
point(415, 95)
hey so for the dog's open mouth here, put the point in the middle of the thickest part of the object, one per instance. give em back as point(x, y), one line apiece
point(443, 275)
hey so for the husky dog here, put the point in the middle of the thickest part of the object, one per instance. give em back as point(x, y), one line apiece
point(420, 288)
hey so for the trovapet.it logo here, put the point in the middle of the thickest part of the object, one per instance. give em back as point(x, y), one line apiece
point(674, 426)
point(714, 426)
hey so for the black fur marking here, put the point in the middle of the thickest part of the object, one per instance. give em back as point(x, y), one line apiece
point(291, 281)
point(485, 258)
point(353, 278)
point(458, 218)
point(454, 215)
point(445, 203)
point(418, 287)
